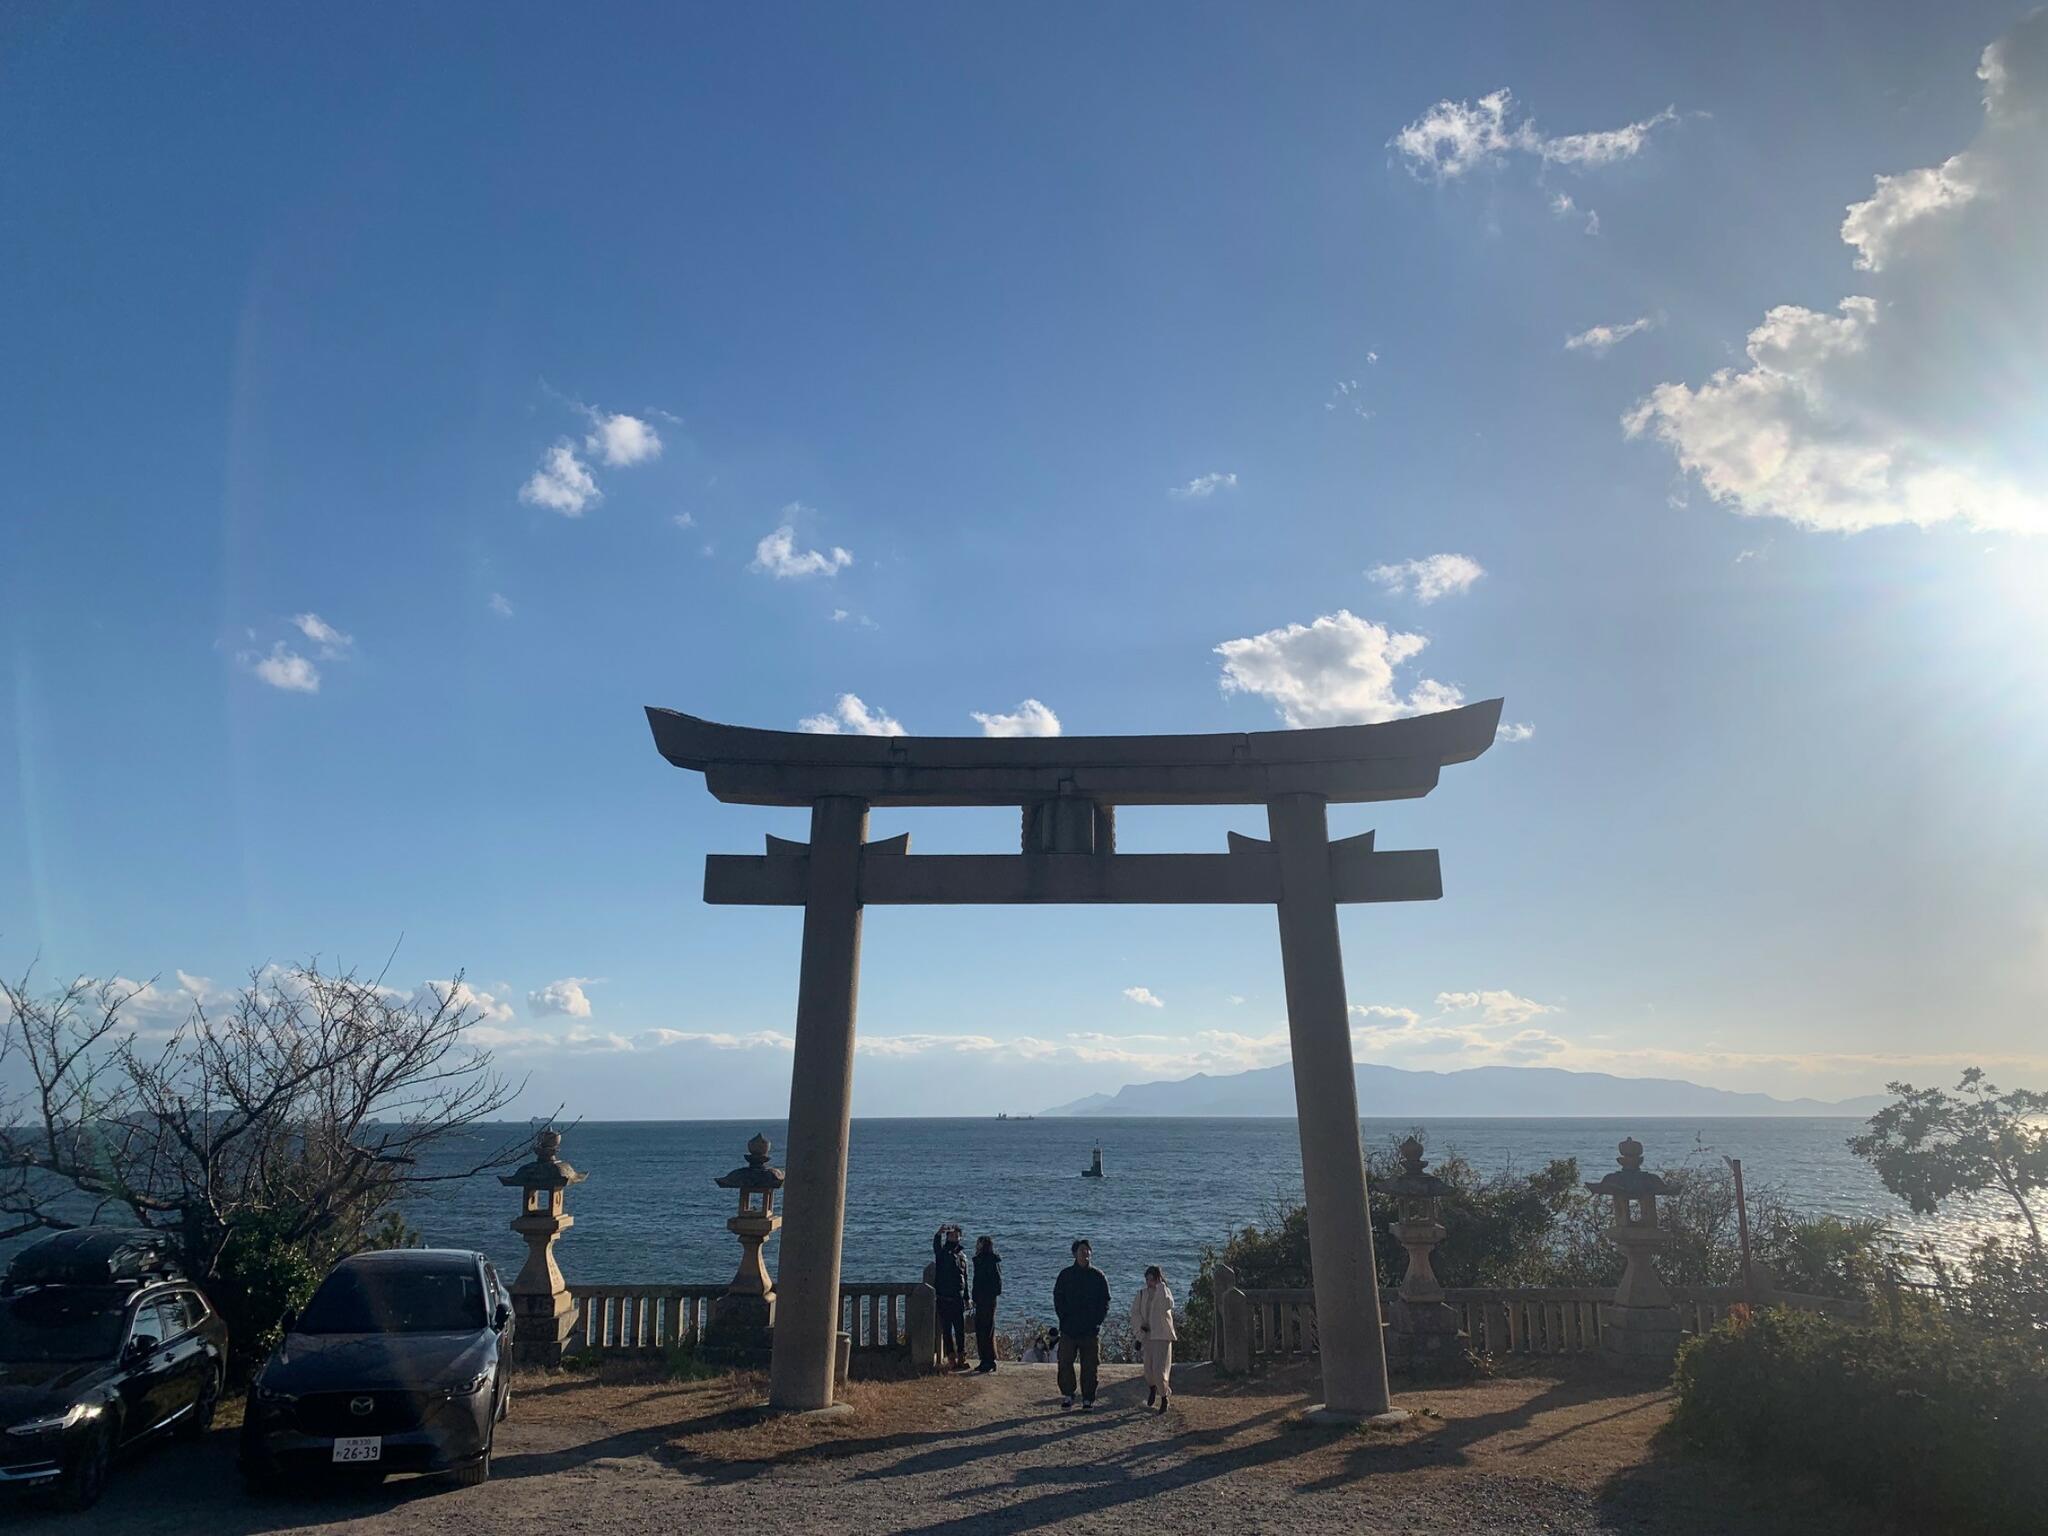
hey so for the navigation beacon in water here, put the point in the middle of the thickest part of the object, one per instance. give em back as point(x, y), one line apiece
point(1094, 1169)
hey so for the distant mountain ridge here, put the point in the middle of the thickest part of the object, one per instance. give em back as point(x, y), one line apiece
point(1395, 1093)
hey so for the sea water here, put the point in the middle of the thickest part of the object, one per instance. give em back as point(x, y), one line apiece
point(649, 1211)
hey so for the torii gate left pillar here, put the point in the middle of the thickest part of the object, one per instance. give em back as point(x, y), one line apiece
point(820, 1110)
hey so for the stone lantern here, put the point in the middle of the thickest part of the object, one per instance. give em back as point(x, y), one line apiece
point(1639, 1329)
point(742, 1317)
point(541, 1302)
point(1423, 1336)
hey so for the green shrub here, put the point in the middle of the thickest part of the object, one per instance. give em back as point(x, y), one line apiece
point(1946, 1426)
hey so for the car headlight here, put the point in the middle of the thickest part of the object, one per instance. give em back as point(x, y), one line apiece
point(77, 1413)
point(471, 1387)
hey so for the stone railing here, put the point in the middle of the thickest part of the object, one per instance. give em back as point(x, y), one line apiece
point(639, 1319)
point(890, 1319)
point(1260, 1327)
point(877, 1318)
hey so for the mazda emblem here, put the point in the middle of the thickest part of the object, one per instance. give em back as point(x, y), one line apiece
point(362, 1407)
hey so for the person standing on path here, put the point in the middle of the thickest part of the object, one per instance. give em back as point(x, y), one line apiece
point(988, 1285)
point(949, 1282)
point(1152, 1322)
point(1080, 1298)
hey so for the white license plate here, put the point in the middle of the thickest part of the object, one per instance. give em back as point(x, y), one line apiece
point(360, 1448)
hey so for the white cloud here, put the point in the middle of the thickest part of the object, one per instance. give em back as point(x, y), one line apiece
point(921, 1045)
point(1920, 402)
point(851, 717)
point(1514, 730)
point(778, 556)
point(1202, 487)
point(334, 645)
point(1593, 222)
point(1455, 137)
point(721, 1040)
point(489, 1008)
point(1562, 204)
point(1401, 1016)
point(1345, 395)
point(1430, 578)
point(1598, 338)
point(1030, 718)
point(563, 483)
point(285, 668)
point(501, 605)
point(620, 440)
point(1145, 997)
point(684, 520)
point(1901, 201)
point(565, 996)
point(1498, 1008)
point(1337, 671)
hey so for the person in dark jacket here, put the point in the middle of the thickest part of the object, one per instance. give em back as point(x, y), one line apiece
point(988, 1285)
point(1080, 1298)
point(949, 1283)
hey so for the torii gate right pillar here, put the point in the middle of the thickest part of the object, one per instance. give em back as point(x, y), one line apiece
point(1352, 1352)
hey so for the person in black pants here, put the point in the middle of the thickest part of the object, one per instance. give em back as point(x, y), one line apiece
point(1081, 1299)
point(988, 1285)
point(949, 1281)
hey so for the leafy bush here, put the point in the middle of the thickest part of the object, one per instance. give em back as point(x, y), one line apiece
point(1947, 1426)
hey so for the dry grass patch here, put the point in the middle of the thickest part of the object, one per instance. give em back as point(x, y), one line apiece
point(724, 1418)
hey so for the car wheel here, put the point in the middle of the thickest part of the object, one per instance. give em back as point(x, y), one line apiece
point(475, 1474)
point(86, 1478)
point(200, 1419)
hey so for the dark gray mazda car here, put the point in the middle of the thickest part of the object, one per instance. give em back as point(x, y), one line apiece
point(398, 1364)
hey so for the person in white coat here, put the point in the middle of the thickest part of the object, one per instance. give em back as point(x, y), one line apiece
point(1152, 1322)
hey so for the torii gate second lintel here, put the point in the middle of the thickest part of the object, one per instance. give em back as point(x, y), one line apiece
point(1068, 789)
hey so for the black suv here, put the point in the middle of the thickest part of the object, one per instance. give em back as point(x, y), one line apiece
point(399, 1363)
point(102, 1346)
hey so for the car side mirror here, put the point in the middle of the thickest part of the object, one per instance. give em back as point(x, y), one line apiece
point(501, 1317)
point(141, 1347)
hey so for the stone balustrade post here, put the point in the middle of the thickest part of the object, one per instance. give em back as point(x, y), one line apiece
point(921, 1318)
point(1222, 1281)
point(1238, 1330)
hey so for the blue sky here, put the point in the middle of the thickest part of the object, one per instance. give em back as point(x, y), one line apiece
point(401, 400)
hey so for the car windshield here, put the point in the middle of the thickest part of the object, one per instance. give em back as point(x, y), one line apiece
point(54, 1326)
point(360, 1300)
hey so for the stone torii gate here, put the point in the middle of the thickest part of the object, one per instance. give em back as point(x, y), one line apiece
point(1068, 788)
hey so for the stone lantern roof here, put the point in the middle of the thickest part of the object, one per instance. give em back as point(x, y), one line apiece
point(547, 1170)
point(1411, 1183)
point(1629, 1180)
point(756, 1174)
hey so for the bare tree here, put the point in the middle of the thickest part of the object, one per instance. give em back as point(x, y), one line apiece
point(309, 1104)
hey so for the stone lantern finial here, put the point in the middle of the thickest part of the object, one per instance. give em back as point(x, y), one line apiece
point(540, 1297)
point(1423, 1334)
point(1639, 1329)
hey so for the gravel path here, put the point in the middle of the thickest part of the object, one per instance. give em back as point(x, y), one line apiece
point(999, 1457)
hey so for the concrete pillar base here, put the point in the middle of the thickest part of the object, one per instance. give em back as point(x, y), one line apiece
point(821, 1415)
point(1324, 1414)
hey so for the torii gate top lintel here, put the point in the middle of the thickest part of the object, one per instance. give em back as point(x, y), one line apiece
point(1069, 787)
point(1393, 760)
